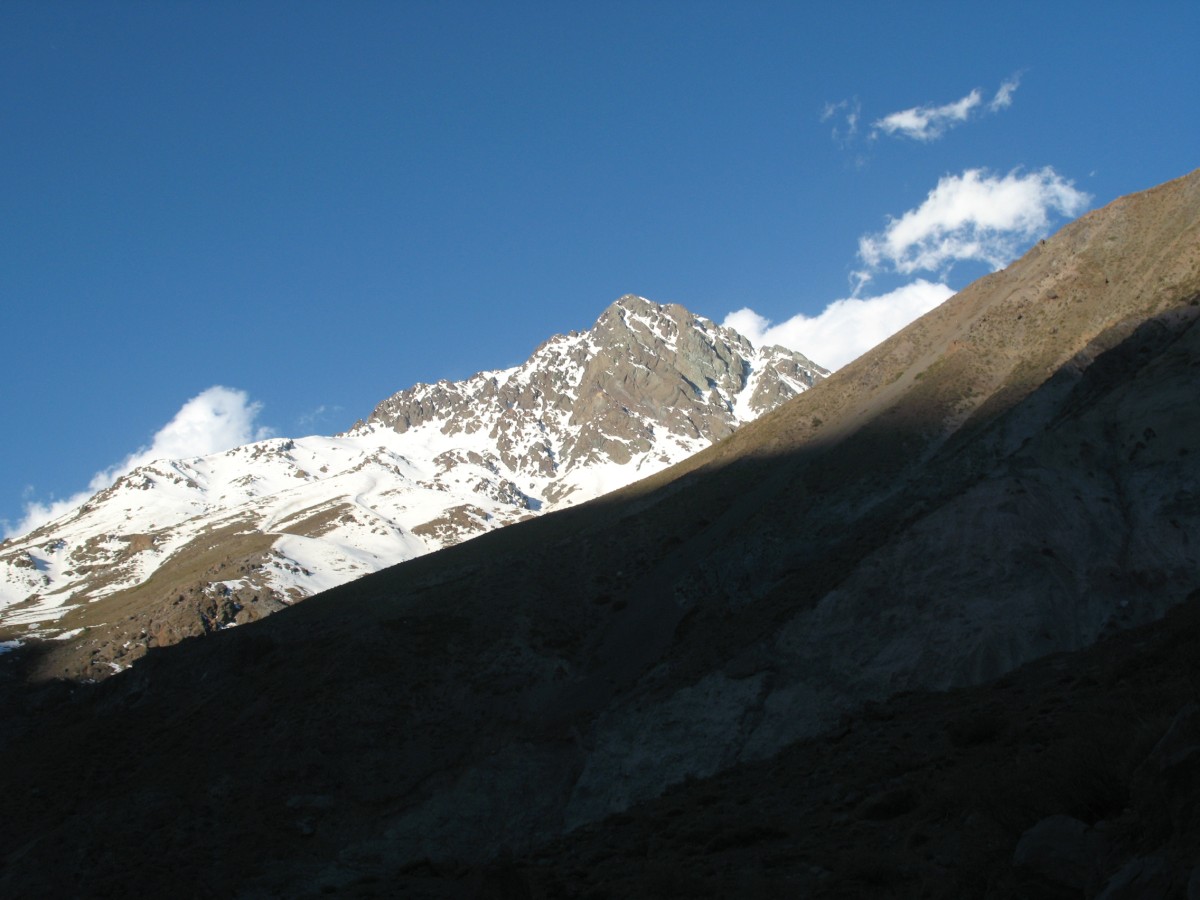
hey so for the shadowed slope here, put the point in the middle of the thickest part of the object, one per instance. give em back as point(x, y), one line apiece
point(1008, 477)
point(926, 795)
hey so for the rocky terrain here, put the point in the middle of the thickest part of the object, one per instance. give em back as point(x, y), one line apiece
point(842, 652)
point(179, 548)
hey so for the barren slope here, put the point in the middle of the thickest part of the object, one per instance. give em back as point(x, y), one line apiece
point(1011, 476)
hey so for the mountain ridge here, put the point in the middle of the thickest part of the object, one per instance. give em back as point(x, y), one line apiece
point(967, 497)
point(431, 466)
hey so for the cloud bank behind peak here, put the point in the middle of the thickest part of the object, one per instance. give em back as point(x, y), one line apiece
point(846, 328)
point(976, 216)
point(213, 421)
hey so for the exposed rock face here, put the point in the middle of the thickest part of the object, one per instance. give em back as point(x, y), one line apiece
point(1011, 476)
point(646, 379)
point(275, 521)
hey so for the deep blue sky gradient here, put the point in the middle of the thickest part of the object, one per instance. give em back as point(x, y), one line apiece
point(323, 203)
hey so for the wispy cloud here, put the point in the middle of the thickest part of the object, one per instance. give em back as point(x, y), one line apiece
point(319, 414)
point(846, 328)
point(1003, 98)
point(973, 216)
point(213, 421)
point(846, 115)
point(928, 123)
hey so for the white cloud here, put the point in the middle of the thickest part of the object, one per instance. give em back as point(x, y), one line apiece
point(1003, 98)
point(928, 123)
point(973, 216)
point(211, 422)
point(846, 328)
point(860, 278)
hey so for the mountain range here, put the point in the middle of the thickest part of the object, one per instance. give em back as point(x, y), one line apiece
point(183, 547)
point(926, 629)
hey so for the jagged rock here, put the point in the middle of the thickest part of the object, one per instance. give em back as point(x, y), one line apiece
point(606, 393)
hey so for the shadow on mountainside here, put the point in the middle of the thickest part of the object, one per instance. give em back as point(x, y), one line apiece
point(926, 795)
point(1011, 477)
point(459, 704)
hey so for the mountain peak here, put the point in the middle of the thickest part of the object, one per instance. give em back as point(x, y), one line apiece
point(433, 465)
point(636, 303)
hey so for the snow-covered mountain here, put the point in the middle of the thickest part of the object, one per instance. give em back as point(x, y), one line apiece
point(181, 547)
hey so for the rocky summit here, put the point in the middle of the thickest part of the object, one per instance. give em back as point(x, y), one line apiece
point(927, 629)
point(184, 547)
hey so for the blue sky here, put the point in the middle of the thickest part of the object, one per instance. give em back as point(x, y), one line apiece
point(316, 204)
